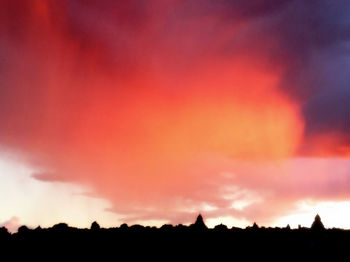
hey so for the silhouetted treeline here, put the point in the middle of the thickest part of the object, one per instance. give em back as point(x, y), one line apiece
point(194, 238)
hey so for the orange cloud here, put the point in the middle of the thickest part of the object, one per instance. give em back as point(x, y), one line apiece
point(139, 121)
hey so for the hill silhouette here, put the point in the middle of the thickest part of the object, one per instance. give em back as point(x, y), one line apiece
point(197, 237)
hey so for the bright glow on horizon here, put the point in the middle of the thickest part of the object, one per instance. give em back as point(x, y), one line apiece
point(25, 200)
point(28, 201)
point(333, 214)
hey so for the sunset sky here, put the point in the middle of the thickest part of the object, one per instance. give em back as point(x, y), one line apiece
point(152, 111)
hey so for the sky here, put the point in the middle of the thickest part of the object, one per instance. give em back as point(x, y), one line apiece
point(151, 111)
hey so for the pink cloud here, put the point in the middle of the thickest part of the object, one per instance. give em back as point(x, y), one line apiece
point(12, 224)
point(152, 109)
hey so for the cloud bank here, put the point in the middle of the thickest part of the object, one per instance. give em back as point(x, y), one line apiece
point(150, 103)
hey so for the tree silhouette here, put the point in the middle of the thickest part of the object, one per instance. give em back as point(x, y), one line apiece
point(142, 239)
point(61, 227)
point(23, 230)
point(199, 225)
point(95, 226)
point(4, 232)
point(221, 228)
point(317, 225)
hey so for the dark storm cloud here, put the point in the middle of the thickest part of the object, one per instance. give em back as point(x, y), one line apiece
point(310, 39)
point(316, 36)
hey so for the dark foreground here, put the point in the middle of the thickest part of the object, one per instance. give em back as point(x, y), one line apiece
point(179, 241)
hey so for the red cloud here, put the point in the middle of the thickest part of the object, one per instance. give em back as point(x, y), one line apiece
point(145, 106)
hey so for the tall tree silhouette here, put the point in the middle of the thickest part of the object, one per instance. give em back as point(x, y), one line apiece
point(199, 225)
point(317, 225)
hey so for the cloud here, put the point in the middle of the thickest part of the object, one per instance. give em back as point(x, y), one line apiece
point(149, 103)
point(12, 224)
